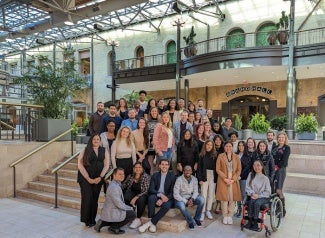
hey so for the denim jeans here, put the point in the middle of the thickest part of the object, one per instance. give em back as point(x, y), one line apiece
point(166, 155)
point(199, 202)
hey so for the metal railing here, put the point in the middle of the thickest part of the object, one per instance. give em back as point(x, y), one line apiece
point(21, 117)
point(13, 165)
point(245, 40)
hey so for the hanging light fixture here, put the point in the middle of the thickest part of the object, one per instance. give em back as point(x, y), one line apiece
point(69, 21)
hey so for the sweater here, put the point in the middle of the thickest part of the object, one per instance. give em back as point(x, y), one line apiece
point(260, 186)
point(120, 150)
point(184, 190)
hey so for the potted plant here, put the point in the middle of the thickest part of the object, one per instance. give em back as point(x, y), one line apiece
point(282, 25)
point(50, 85)
point(191, 48)
point(259, 125)
point(279, 123)
point(238, 124)
point(306, 126)
point(272, 37)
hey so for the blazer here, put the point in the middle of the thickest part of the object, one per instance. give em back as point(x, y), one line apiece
point(114, 209)
point(168, 187)
point(160, 138)
point(177, 130)
point(144, 183)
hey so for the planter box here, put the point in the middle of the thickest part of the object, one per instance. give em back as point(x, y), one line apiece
point(240, 134)
point(306, 136)
point(247, 133)
point(47, 129)
point(259, 136)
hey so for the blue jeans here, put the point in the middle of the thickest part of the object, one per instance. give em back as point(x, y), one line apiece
point(166, 155)
point(199, 202)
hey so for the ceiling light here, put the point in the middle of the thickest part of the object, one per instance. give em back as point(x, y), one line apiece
point(69, 21)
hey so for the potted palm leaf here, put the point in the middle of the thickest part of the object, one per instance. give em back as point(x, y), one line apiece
point(191, 48)
point(306, 127)
point(260, 126)
point(283, 25)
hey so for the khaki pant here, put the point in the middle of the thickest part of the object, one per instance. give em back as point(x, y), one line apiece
point(208, 190)
point(228, 207)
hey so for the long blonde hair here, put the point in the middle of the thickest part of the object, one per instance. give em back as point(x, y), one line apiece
point(129, 139)
point(169, 124)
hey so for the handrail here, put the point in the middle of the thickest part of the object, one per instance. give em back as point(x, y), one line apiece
point(65, 162)
point(7, 125)
point(39, 148)
point(22, 105)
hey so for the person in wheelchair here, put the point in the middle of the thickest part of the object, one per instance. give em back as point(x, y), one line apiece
point(259, 190)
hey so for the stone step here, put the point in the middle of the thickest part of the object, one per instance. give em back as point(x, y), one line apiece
point(62, 189)
point(71, 166)
point(176, 224)
point(310, 164)
point(68, 173)
point(305, 183)
point(49, 178)
point(307, 147)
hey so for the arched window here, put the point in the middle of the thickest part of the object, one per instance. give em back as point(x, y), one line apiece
point(171, 52)
point(140, 57)
point(262, 33)
point(235, 39)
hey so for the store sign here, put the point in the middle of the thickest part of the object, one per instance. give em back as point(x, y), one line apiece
point(249, 88)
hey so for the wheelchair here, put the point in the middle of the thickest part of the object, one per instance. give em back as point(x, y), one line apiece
point(274, 208)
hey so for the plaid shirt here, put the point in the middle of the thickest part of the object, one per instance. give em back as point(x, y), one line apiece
point(144, 183)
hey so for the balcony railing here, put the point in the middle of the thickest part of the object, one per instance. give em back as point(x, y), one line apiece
point(245, 40)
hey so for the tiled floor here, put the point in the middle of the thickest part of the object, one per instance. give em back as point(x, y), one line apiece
point(19, 218)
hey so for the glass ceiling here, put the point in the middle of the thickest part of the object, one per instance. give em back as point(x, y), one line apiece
point(22, 22)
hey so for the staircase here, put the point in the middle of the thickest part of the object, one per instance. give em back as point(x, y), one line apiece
point(306, 169)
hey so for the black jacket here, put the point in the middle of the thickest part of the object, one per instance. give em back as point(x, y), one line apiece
point(268, 162)
point(202, 167)
point(168, 187)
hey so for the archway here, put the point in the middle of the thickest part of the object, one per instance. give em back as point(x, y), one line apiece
point(171, 52)
point(235, 39)
point(263, 32)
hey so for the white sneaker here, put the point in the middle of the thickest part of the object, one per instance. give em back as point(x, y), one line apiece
point(152, 228)
point(230, 222)
point(144, 227)
point(225, 220)
point(136, 223)
point(209, 215)
point(202, 217)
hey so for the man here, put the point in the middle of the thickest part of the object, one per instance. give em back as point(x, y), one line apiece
point(115, 212)
point(210, 115)
point(271, 144)
point(186, 194)
point(161, 106)
point(111, 116)
point(160, 194)
point(233, 136)
point(181, 125)
point(138, 112)
point(200, 107)
point(227, 129)
point(142, 99)
point(131, 121)
point(95, 120)
point(181, 104)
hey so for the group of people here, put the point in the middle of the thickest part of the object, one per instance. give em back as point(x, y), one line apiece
point(212, 166)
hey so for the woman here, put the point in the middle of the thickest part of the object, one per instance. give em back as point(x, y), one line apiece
point(151, 103)
point(246, 167)
point(107, 138)
point(281, 155)
point(190, 119)
point(153, 119)
point(163, 138)
point(135, 188)
point(93, 163)
point(122, 108)
point(172, 109)
point(217, 128)
point(199, 136)
point(198, 118)
point(187, 152)
point(251, 146)
point(191, 107)
point(207, 177)
point(263, 154)
point(218, 143)
point(228, 191)
point(141, 141)
point(259, 189)
point(123, 153)
point(209, 134)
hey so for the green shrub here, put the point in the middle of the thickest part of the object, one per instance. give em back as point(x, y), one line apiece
point(238, 124)
point(259, 124)
point(306, 123)
point(279, 122)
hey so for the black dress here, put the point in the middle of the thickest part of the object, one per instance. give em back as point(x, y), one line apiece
point(90, 192)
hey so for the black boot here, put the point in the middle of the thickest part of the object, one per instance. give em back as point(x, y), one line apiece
point(284, 208)
point(239, 210)
point(254, 225)
point(249, 224)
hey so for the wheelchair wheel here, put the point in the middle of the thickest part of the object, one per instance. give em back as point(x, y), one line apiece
point(276, 213)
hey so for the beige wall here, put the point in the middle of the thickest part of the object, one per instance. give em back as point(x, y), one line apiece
point(30, 168)
point(308, 91)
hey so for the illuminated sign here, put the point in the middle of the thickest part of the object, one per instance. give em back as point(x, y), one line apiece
point(249, 88)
